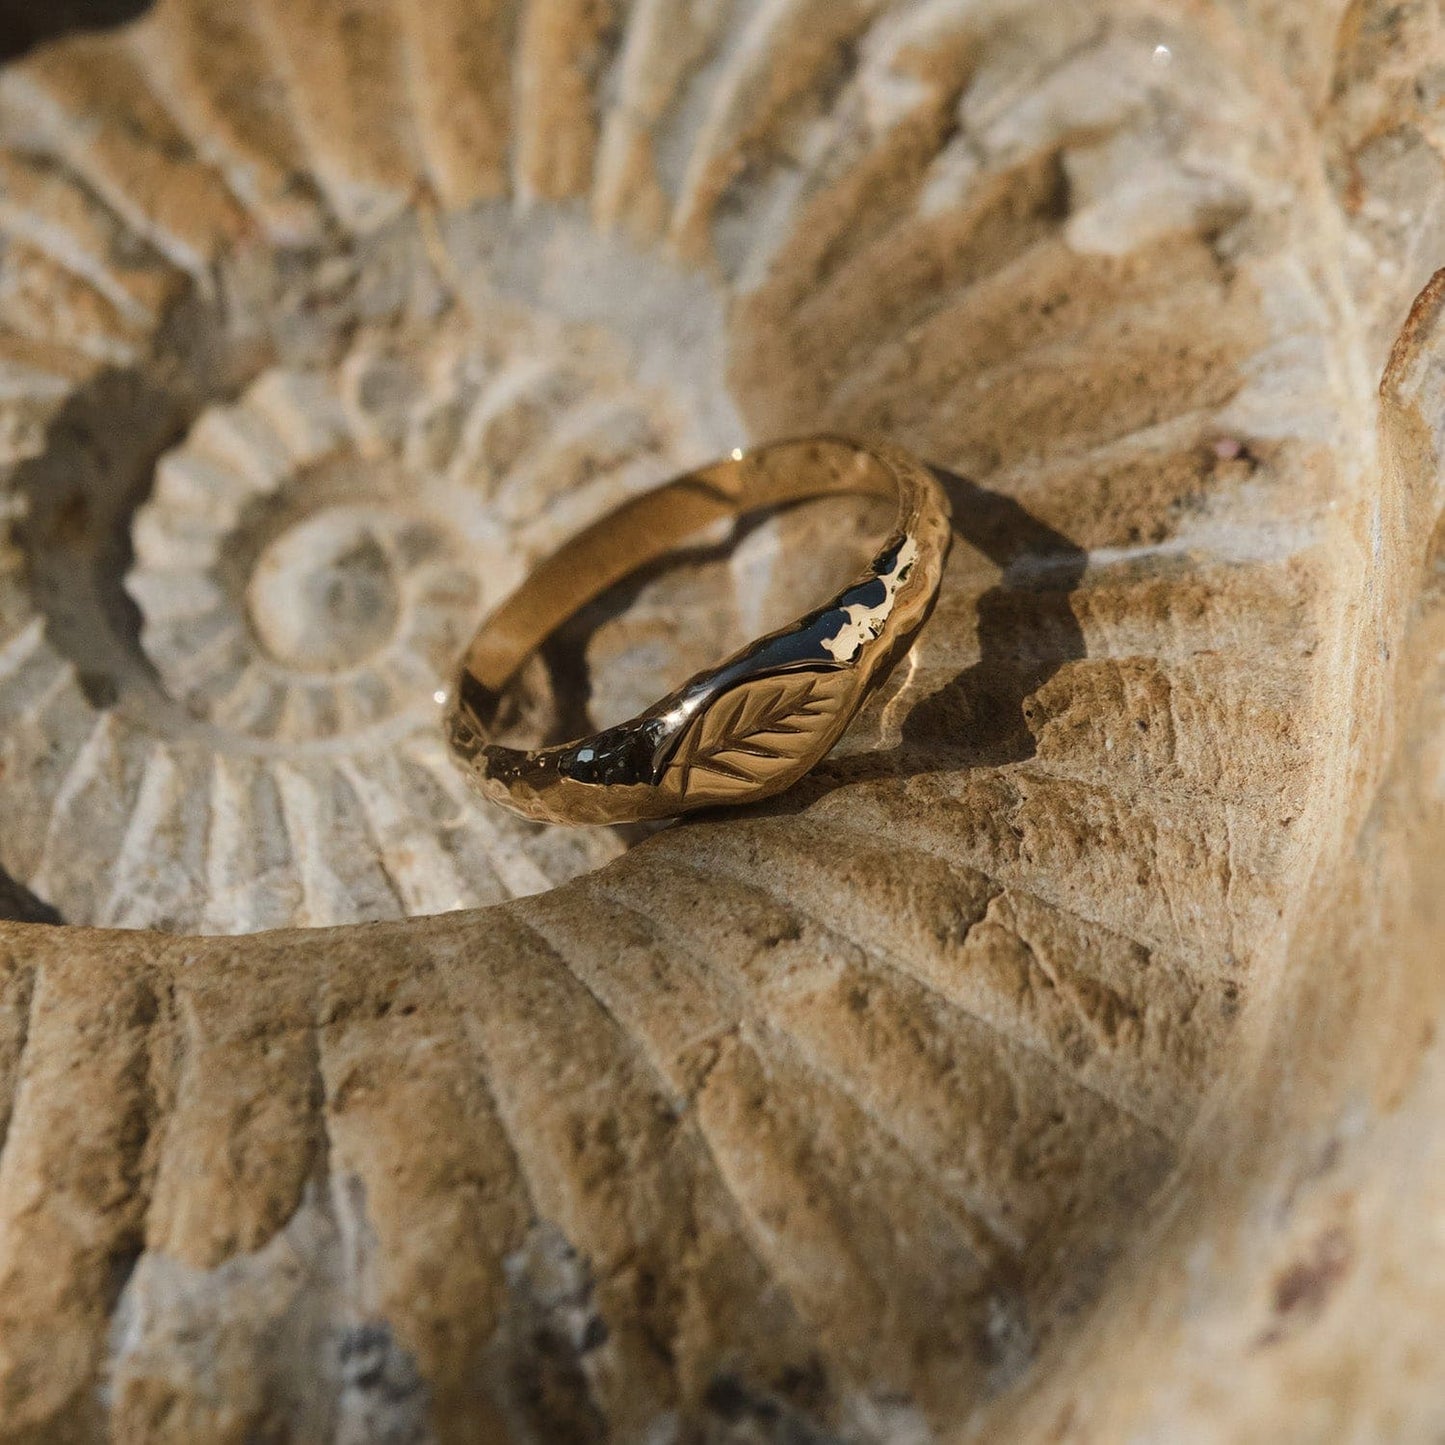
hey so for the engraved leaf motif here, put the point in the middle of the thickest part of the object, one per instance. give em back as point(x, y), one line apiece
point(757, 731)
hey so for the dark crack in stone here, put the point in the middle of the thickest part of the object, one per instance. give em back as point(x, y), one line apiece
point(384, 1400)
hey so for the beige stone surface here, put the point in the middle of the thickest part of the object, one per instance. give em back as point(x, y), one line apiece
point(1060, 1062)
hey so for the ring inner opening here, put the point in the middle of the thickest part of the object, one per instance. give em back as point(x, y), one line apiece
point(667, 587)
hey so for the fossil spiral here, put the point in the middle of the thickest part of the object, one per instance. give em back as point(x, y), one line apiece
point(321, 321)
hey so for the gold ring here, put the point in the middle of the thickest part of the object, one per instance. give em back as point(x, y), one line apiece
point(760, 720)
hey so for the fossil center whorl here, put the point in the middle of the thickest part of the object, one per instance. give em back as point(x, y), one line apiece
point(325, 596)
point(300, 583)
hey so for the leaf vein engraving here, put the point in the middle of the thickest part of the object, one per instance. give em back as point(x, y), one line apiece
point(757, 731)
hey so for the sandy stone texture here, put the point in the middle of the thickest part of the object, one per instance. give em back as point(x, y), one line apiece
point(1059, 1062)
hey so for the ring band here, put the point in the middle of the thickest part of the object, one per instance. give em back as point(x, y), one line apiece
point(760, 720)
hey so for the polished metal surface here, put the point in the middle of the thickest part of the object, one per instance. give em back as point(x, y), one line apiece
point(757, 722)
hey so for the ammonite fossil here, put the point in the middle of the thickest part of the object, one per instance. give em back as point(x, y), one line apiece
point(1040, 1067)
